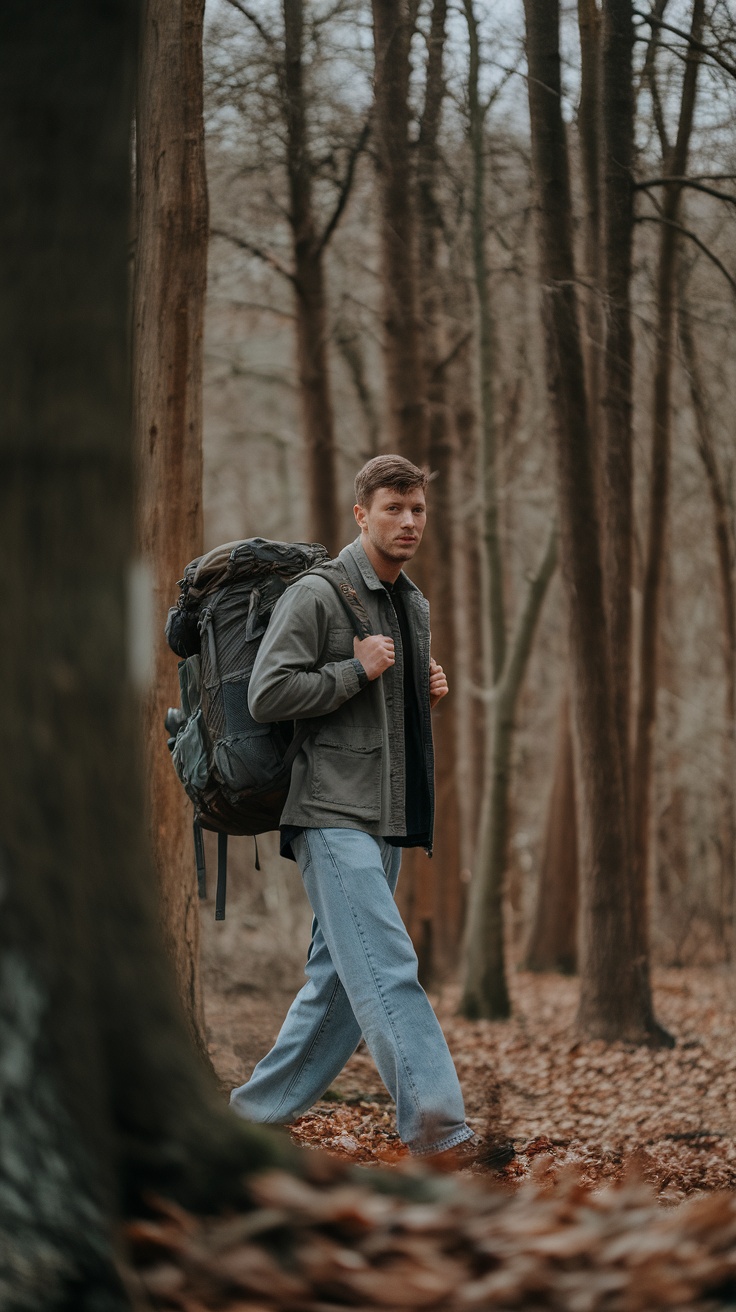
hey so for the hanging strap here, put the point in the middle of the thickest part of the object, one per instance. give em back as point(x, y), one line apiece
point(221, 893)
point(199, 859)
point(336, 574)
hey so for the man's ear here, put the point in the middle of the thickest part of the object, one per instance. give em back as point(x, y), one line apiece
point(359, 512)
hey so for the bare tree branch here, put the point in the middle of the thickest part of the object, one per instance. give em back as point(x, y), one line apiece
point(347, 183)
point(694, 183)
point(658, 12)
point(452, 354)
point(266, 256)
point(253, 18)
point(687, 232)
point(700, 46)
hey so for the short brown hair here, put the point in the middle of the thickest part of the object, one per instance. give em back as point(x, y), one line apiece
point(388, 471)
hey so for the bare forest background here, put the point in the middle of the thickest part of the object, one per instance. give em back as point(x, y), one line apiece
point(307, 301)
point(500, 242)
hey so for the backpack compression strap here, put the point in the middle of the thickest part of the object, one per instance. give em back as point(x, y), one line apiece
point(336, 574)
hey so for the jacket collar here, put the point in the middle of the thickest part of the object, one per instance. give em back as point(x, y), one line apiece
point(356, 552)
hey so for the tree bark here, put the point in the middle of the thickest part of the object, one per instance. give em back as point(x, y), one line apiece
point(725, 550)
point(666, 297)
point(485, 991)
point(392, 28)
point(441, 566)
point(486, 362)
point(169, 296)
point(553, 942)
point(310, 295)
point(103, 1096)
point(613, 1000)
point(617, 158)
point(589, 132)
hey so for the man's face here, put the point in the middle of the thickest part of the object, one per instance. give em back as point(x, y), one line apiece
point(394, 522)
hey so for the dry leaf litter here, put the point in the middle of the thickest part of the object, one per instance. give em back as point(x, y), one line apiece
point(618, 1198)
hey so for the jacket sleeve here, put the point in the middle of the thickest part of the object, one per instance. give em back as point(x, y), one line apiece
point(287, 682)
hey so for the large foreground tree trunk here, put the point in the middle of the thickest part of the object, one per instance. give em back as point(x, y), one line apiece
point(169, 296)
point(102, 1094)
point(613, 1002)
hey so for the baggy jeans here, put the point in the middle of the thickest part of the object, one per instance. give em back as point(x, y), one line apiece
point(361, 979)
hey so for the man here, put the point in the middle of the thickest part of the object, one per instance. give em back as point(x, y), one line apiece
point(361, 789)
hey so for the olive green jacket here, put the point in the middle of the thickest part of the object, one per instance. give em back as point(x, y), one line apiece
point(350, 770)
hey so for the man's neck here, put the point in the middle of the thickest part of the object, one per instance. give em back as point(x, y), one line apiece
point(387, 570)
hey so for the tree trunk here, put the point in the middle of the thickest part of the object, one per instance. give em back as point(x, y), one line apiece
point(392, 29)
point(613, 1000)
point(441, 567)
point(589, 131)
point(169, 296)
point(485, 992)
point(486, 362)
point(473, 645)
point(553, 942)
point(666, 294)
point(726, 558)
point(617, 151)
point(311, 301)
point(103, 1096)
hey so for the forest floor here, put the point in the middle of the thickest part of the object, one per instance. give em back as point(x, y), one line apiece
point(621, 1199)
point(666, 1115)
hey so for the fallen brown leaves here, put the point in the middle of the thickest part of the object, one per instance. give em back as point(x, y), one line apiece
point(311, 1247)
point(670, 1113)
point(605, 1135)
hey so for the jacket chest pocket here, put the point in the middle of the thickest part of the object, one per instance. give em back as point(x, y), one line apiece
point(347, 770)
point(339, 644)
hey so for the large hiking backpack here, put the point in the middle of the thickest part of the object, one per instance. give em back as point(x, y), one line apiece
point(235, 770)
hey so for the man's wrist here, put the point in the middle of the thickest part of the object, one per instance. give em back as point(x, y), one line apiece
point(363, 679)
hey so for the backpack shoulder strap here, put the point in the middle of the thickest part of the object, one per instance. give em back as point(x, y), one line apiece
point(336, 574)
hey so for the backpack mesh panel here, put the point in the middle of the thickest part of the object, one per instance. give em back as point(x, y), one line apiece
point(225, 691)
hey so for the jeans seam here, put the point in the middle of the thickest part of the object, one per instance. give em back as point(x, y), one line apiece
point(379, 992)
point(308, 1055)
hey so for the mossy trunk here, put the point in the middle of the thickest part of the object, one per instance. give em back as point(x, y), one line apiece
point(103, 1094)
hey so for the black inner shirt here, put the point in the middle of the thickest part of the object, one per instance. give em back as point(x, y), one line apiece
point(416, 799)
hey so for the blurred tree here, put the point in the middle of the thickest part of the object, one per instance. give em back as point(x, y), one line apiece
point(309, 287)
point(170, 281)
point(440, 565)
point(393, 27)
point(310, 238)
point(675, 161)
point(725, 549)
point(103, 1096)
point(613, 1001)
point(485, 990)
point(553, 941)
point(616, 215)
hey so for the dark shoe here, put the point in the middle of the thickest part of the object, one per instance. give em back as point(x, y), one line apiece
point(476, 1154)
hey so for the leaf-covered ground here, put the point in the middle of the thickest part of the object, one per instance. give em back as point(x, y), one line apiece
point(670, 1114)
point(620, 1200)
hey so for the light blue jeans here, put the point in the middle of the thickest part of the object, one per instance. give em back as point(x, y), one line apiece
point(361, 979)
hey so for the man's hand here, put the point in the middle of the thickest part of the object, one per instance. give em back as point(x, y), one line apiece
point(437, 683)
point(375, 653)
